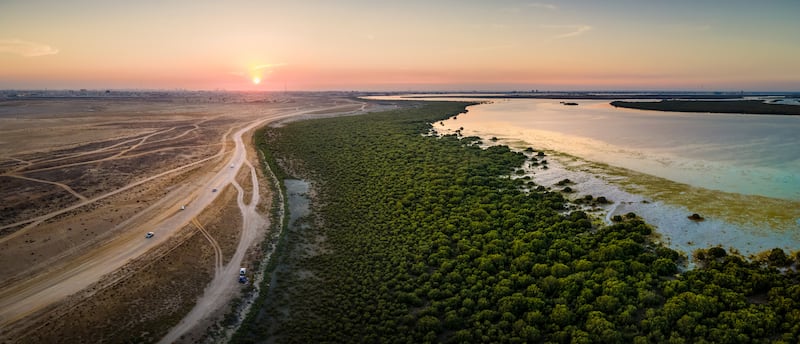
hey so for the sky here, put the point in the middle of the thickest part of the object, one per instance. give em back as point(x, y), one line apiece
point(450, 45)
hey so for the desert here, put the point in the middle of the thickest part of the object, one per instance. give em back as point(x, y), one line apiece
point(84, 180)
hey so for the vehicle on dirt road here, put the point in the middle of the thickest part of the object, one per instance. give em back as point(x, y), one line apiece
point(149, 235)
point(242, 275)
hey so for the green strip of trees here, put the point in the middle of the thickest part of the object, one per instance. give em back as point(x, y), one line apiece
point(417, 238)
point(756, 107)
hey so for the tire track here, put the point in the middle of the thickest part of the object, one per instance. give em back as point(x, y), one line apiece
point(141, 137)
point(35, 221)
point(141, 142)
point(222, 289)
point(28, 298)
point(214, 244)
point(26, 162)
point(25, 299)
point(113, 157)
point(133, 138)
point(61, 185)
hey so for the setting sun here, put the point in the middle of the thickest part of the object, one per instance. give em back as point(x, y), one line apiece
point(256, 80)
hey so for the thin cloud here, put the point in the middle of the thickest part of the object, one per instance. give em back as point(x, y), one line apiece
point(574, 30)
point(26, 48)
point(543, 5)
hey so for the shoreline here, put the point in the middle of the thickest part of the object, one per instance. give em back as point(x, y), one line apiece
point(664, 204)
point(414, 222)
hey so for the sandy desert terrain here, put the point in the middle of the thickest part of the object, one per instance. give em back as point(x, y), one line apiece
point(83, 180)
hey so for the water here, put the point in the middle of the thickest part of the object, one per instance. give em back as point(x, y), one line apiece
point(744, 154)
point(297, 199)
point(741, 172)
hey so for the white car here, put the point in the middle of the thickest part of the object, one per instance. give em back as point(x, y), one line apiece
point(242, 271)
point(149, 235)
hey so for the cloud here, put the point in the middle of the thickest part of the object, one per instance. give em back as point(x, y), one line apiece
point(25, 48)
point(574, 30)
point(543, 5)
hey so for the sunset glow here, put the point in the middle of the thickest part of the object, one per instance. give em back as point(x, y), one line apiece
point(447, 45)
point(256, 80)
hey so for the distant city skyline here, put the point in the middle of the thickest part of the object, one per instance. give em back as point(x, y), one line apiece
point(410, 45)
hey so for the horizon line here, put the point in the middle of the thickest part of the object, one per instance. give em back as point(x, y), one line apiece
point(531, 91)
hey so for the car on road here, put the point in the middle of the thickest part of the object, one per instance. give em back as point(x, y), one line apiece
point(214, 190)
point(242, 275)
point(149, 235)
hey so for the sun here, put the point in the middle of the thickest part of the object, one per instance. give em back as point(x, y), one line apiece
point(256, 80)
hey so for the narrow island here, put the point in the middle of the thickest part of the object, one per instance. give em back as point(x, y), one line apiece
point(754, 107)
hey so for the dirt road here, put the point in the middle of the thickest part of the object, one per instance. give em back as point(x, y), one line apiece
point(38, 292)
point(222, 288)
point(214, 244)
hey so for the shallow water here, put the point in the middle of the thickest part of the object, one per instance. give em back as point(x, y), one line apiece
point(731, 220)
point(745, 154)
point(297, 199)
point(739, 171)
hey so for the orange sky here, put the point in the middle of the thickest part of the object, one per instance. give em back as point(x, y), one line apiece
point(408, 45)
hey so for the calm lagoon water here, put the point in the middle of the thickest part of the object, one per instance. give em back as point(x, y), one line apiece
point(745, 154)
point(297, 199)
point(741, 172)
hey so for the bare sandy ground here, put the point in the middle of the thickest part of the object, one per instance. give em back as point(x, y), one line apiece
point(82, 181)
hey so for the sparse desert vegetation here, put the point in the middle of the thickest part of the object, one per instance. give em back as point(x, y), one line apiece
point(77, 202)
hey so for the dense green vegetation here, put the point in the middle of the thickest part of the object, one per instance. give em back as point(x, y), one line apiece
point(715, 106)
point(418, 239)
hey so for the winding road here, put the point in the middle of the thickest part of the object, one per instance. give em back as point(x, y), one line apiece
point(38, 292)
point(224, 285)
